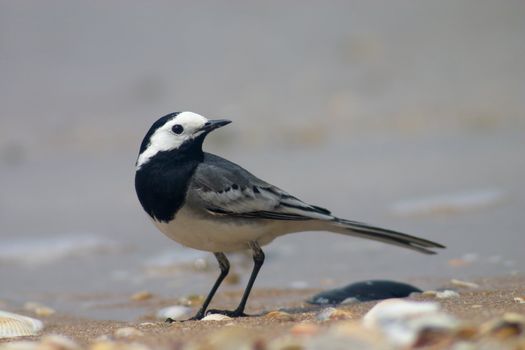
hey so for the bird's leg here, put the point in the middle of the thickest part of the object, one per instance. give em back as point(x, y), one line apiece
point(224, 265)
point(258, 260)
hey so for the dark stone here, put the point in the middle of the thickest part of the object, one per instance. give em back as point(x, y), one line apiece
point(364, 291)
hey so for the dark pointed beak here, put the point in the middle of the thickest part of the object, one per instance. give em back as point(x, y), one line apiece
point(214, 124)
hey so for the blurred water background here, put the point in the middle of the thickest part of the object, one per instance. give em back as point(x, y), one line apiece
point(405, 114)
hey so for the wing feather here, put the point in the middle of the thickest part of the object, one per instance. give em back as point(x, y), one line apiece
point(225, 188)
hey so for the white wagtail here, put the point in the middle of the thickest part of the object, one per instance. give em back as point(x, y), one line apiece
point(208, 203)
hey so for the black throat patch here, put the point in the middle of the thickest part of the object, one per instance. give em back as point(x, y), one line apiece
point(161, 183)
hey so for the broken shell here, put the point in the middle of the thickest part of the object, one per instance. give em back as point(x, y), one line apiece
point(140, 296)
point(127, 332)
point(464, 284)
point(57, 342)
point(279, 315)
point(520, 300)
point(216, 317)
point(331, 313)
point(13, 325)
point(176, 313)
point(510, 325)
point(405, 322)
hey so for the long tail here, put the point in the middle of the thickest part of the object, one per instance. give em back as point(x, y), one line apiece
point(360, 229)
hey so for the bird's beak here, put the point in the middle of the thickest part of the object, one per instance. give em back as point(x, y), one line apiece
point(214, 124)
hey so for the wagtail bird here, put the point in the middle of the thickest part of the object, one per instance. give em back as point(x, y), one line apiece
point(208, 203)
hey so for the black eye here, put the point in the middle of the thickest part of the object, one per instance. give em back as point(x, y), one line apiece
point(177, 129)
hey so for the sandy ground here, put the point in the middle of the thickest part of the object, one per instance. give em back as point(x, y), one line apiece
point(475, 306)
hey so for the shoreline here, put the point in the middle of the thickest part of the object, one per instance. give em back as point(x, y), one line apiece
point(494, 297)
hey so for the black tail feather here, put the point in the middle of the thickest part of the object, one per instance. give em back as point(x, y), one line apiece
point(387, 236)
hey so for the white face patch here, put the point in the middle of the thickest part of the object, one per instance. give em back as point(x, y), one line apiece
point(164, 139)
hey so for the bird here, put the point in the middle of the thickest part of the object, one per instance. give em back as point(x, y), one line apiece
point(206, 202)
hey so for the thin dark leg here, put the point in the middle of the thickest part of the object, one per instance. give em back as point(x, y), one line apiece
point(224, 264)
point(258, 260)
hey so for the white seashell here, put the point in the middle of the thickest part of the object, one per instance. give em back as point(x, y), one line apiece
point(447, 294)
point(216, 317)
point(403, 321)
point(13, 325)
point(20, 345)
point(176, 313)
point(464, 284)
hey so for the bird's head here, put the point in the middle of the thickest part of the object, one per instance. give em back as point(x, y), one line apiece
point(176, 131)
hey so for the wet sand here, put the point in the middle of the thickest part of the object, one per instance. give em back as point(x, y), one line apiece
point(474, 306)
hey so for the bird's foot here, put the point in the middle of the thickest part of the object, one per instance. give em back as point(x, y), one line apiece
point(235, 313)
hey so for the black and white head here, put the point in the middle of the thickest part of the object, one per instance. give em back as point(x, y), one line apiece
point(179, 131)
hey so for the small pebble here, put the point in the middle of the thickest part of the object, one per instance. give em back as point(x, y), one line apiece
point(127, 332)
point(200, 264)
point(305, 328)
point(216, 317)
point(57, 342)
point(176, 313)
point(430, 293)
point(192, 300)
point(140, 296)
point(38, 309)
point(464, 284)
point(279, 315)
point(44, 311)
point(331, 313)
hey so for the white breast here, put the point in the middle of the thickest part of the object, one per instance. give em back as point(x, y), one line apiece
point(218, 235)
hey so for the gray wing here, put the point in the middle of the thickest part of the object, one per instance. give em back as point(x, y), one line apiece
point(224, 188)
